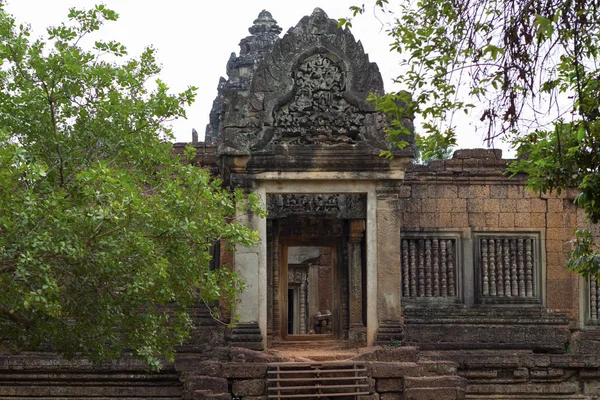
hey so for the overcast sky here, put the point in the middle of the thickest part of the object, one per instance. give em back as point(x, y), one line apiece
point(195, 38)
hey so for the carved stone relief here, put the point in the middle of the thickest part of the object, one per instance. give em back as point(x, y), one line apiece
point(318, 112)
point(342, 206)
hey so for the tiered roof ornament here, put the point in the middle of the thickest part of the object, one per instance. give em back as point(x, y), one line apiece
point(302, 93)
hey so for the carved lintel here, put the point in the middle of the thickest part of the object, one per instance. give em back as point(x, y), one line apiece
point(342, 206)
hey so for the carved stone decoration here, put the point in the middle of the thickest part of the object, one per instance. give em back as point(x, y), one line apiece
point(297, 275)
point(341, 206)
point(264, 33)
point(593, 298)
point(307, 88)
point(508, 265)
point(318, 112)
point(428, 267)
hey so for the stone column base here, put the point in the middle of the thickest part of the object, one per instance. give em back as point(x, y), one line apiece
point(245, 335)
point(390, 333)
point(358, 333)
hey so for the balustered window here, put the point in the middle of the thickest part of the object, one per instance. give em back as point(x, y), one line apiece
point(593, 301)
point(508, 268)
point(430, 267)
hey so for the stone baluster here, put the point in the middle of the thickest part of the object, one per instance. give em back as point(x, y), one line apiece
point(435, 250)
point(413, 267)
point(499, 268)
point(528, 265)
point(509, 277)
point(405, 270)
point(443, 269)
point(518, 267)
point(593, 298)
point(485, 267)
point(421, 267)
point(451, 285)
point(492, 262)
point(357, 327)
point(428, 280)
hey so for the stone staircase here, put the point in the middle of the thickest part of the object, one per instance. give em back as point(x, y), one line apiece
point(376, 373)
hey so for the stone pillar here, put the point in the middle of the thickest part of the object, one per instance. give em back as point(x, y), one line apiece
point(389, 280)
point(247, 332)
point(358, 330)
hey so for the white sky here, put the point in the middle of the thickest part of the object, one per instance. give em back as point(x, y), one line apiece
point(195, 39)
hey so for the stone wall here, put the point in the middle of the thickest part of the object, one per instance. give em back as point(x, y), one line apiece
point(470, 196)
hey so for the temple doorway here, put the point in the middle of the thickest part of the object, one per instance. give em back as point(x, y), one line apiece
point(311, 299)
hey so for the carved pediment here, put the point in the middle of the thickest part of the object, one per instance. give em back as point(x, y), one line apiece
point(306, 94)
point(318, 113)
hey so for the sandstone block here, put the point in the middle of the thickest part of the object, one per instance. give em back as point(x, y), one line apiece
point(538, 205)
point(429, 205)
point(434, 394)
point(374, 396)
point(390, 385)
point(556, 220)
point(444, 205)
point(247, 371)
point(459, 205)
point(251, 387)
point(538, 220)
point(516, 191)
point(491, 205)
point(479, 191)
point(475, 205)
point(498, 192)
point(477, 220)
point(555, 205)
point(523, 220)
point(524, 205)
point(445, 220)
point(448, 381)
point(508, 205)
point(506, 220)
point(207, 383)
point(428, 220)
point(491, 220)
point(208, 395)
point(450, 191)
point(395, 369)
point(460, 220)
point(391, 396)
point(435, 191)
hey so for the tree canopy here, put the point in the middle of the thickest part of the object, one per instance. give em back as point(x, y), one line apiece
point(529, 69)
point(104, 232)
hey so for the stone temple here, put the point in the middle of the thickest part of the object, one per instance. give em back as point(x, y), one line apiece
point(374, 278)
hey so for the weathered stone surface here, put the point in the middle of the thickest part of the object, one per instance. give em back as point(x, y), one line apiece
point(390, 385)
point(391, 396)
point(434, 394)
point(250, 387)
point(208, 395)
point(244, 370)
point(213, 384)
point(396, 369)
point(389, 354)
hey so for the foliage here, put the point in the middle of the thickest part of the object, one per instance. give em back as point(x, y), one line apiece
point(104, 233)
point(530, 66)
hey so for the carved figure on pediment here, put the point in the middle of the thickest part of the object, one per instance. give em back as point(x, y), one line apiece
point(318, 112)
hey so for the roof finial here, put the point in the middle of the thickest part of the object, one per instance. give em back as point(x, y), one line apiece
point(264, 23)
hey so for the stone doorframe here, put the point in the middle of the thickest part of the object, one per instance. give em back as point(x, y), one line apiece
point(283, 244)
point(383, 288)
